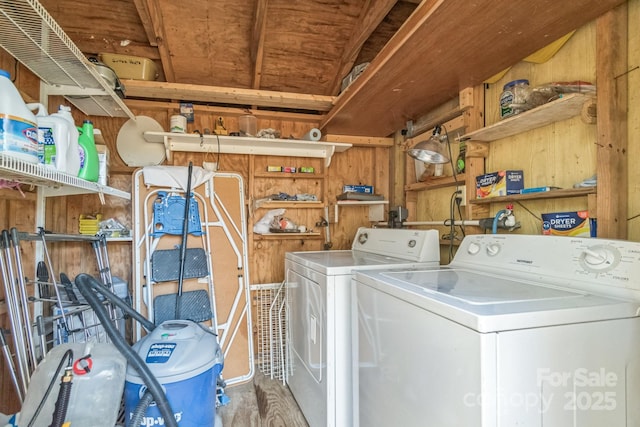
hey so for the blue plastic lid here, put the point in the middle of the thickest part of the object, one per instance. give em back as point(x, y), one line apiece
point(5, 73)
point(515, 82)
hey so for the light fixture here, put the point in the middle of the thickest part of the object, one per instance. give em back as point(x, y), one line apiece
point(432, 150)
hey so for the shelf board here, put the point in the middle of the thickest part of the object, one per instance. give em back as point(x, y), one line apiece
point(561, 109)
point(54, 183)
point(436, 182)
point(376, 208)
point(287, 175)
point(275, 204)
point(286, 236)
point(553, 194)
point(245, 145)
point(361, 202)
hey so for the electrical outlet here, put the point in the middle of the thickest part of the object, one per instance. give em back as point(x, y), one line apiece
point(462, 195)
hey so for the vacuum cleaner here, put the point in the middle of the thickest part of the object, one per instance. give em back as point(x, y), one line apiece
point(170, 377)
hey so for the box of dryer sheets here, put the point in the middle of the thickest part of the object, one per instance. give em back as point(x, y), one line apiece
point(573, 224)
point(501, 183)
point(367, 189)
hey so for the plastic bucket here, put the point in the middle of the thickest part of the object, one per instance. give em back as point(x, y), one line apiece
point(186, 360)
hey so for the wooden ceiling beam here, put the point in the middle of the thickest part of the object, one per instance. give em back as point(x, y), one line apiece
point(257, 42)
point(371, 16)
point(155, 17)
point(145, 18)
point(225, 95)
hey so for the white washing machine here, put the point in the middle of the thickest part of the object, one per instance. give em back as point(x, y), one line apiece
point(516, 331)
point(319, 295)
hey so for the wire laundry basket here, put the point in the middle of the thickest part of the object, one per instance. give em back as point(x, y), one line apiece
point(272, 324)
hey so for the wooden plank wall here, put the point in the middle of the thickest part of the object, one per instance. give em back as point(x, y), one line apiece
point(560, 154)
point(633, 122)
point(361, 165)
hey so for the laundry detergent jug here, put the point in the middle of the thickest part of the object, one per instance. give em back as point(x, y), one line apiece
point(57, 139)
point(89, 160)
point(18, 128)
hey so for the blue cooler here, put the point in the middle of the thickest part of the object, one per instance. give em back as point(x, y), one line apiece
point(186, 360)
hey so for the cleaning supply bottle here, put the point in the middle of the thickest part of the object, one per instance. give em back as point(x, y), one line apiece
point(18, 128)
point(73, 149)
point(89, 161)
point(57, 140)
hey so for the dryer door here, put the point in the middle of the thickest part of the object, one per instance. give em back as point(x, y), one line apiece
point(307, 341)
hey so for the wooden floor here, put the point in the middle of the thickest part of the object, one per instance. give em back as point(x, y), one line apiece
point(261, 402)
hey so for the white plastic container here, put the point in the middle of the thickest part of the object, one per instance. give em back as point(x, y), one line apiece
point(95, 395)
point(73, 151)
point(57, 139)
point(18, 129)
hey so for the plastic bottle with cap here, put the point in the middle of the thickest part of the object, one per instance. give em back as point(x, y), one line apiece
point(72, 154)
point(18, 128)
point(57, 139)
point(89, 160)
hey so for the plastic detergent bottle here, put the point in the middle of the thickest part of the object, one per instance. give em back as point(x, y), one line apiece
point(57, 140)
point(73, 149)
point(18, 129)
point(89, 161)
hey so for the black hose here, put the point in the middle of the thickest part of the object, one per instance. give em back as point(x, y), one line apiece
point(62, 402)
point(85, 282)
point(67, 354)
point(141, 409)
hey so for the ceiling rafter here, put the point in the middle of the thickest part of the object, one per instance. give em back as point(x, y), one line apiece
point(151, 17)
point(371, 16)
point(226, 95)
point(257, 42)
point(145, 18)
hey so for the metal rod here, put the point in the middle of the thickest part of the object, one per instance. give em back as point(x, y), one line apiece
point(12, 369)
point(24, 302)
point(446, 222)
point(12, 307)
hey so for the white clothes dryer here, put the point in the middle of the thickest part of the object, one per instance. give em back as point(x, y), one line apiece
point(319, 295)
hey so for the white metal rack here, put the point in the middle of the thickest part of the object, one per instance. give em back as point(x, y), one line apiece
point(53, 182)
point(30, 34)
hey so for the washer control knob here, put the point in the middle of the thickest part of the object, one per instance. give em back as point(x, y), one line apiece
point(493, 249)
point(473, 248)
point(412, 243)
point(362, 239)
point(600, 258)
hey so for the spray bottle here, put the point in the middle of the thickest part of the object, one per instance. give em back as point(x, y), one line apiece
point(89, 161)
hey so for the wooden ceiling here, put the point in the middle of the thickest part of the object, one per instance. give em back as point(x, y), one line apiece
point(293, 54)
point(299, 46)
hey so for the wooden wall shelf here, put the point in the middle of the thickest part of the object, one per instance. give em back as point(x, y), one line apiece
point(553, 194)
point(286, 236)
point(436, 182)
point(561, 109)
point(276, 204)
point(245, 145)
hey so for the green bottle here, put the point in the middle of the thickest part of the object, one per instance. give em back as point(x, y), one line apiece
point(89, 161)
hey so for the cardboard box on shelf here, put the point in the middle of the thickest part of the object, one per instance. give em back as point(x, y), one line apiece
point(501, 183)
point(573, 224)
point(367, 189)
